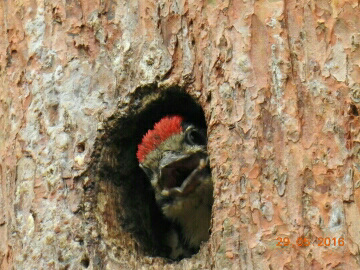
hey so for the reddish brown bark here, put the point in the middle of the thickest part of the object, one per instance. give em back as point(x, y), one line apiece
point(279, 82)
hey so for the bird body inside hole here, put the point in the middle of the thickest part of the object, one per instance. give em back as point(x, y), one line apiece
point(173, 155)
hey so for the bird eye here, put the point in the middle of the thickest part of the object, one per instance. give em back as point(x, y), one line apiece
point(194, 137)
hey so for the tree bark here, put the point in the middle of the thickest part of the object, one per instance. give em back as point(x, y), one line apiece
point(279, 84)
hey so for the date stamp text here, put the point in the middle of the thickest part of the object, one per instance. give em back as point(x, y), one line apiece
point(305, 242)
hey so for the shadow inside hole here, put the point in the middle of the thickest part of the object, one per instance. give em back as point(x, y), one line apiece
point(80, 147)
point(85, 262)
point(130, 195)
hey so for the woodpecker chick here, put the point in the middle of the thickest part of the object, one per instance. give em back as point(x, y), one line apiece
point(173, 155)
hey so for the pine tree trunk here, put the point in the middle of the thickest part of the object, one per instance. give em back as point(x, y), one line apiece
point(279, 84)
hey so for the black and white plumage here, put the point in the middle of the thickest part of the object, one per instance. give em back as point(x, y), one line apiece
point(174, 157)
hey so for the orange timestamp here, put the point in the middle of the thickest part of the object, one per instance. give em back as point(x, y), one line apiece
point(305, 242)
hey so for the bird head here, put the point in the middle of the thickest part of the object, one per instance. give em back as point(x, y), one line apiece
point(173, 155)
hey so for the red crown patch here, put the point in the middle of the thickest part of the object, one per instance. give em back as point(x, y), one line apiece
point(166, 127)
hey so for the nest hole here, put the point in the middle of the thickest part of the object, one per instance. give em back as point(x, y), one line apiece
point(130, 203)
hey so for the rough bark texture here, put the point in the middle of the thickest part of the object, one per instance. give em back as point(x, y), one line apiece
point(279, 83)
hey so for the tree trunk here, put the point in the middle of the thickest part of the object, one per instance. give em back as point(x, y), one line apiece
point(279, 86)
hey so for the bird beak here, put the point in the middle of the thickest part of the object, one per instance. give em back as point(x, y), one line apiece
point(181, 174)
